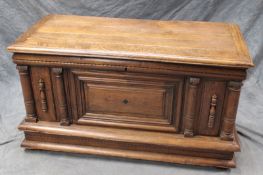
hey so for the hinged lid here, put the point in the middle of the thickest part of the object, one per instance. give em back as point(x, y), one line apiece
point(188, 42)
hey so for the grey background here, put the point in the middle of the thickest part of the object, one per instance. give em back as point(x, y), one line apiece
point(17, 16)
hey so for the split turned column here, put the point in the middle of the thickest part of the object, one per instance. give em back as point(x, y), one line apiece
point(60, 89)
point(27, 93)
point(190, 113)
point(230, 110)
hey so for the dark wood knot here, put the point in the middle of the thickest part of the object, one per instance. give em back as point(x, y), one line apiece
point(125, 101)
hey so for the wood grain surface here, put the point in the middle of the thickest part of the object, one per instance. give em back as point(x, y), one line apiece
point(206, 43)
point(204, 151)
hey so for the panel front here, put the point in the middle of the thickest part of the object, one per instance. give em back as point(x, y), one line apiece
point(126, 100)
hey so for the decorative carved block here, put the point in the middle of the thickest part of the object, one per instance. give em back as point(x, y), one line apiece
point(28, 93)
point(212, 112)
point(230, 110)
point(43, 97)
point(65, 121)
point(190, 112)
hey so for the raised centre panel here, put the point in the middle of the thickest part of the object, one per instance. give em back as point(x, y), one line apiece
point(124, 99)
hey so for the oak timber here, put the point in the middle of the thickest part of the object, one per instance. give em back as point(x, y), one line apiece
point(129, 144)
point(201, 43)
point(144, 89)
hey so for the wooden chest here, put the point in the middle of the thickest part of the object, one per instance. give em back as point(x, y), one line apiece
point(154, 90)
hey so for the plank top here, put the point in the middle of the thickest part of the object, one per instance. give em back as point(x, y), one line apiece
point(187, 42)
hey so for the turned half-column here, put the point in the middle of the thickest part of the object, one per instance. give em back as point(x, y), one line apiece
point(230, 110)
point(27, 93)
point(190, 112)
point(61, 95)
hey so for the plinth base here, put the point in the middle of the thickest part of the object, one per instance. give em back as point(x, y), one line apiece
point(145, 145)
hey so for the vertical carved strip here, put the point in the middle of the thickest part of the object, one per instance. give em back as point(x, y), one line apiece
point(212, 112)
point(27, 93)
point(43, 96)
point(61, 96)
point(229, 115)
point(190, 112)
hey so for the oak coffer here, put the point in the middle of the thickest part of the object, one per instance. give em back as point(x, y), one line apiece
point(144, 89)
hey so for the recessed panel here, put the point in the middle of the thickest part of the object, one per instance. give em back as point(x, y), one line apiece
point(123, 100)
point(42, 88)
point(211, 107)
point(130, 100)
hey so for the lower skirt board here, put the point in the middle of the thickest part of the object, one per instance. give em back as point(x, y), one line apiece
point(145, 145)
